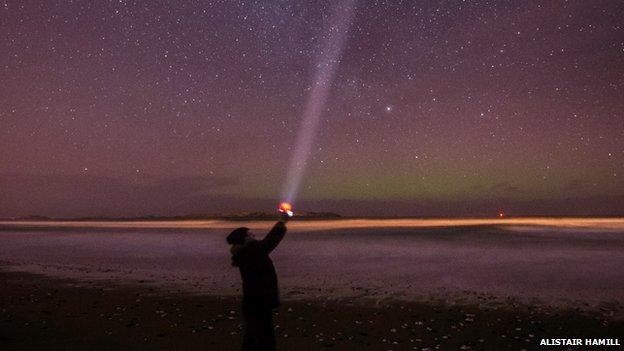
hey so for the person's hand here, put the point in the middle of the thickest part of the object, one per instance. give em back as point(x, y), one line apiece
point(284, 216)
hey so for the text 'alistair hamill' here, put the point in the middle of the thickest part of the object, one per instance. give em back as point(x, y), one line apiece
point(580, 342)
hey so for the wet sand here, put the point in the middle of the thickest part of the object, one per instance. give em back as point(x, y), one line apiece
point(58, 314)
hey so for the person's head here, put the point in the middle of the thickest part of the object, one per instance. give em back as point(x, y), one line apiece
point(239, 236)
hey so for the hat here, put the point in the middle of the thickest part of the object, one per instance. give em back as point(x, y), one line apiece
point(237, 236)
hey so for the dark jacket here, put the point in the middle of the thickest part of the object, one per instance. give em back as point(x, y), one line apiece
point(260, 288)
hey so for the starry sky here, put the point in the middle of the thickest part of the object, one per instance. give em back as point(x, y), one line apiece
point(437, 108)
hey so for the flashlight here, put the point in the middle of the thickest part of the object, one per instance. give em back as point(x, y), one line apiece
point(286, 208)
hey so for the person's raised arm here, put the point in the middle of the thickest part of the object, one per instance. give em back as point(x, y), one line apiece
point(270, 242)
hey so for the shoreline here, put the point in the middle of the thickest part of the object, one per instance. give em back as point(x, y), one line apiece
point(486, 265)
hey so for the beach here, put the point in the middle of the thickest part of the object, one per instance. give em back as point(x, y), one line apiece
point(385, 284)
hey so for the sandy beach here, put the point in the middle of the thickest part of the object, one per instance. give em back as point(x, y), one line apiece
point(58, 314)
point(471, 283)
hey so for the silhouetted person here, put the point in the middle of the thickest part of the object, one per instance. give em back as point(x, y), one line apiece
point(260, 290)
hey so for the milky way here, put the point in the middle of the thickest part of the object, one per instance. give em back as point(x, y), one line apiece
point(436, 108)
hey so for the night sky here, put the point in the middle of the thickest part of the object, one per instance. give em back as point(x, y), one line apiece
point(454, 108)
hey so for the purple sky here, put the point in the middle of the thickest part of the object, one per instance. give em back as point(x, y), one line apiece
point(125, 108)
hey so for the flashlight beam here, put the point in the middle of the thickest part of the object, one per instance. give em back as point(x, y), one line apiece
point(327, 63)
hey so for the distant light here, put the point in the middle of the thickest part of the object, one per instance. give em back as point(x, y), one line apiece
point(389, 108)
point(501, 214)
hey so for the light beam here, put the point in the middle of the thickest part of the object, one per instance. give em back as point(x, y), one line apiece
point(331, 52)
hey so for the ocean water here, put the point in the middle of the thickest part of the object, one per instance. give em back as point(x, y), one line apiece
point(560, 261)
